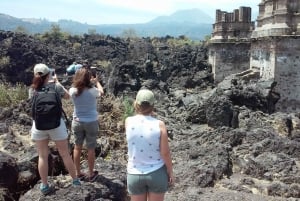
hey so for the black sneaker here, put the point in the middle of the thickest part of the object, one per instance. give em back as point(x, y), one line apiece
point(81, 177)
point(93, 177)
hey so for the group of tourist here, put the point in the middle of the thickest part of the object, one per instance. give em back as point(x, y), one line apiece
point(149, 168)
point(84, 92)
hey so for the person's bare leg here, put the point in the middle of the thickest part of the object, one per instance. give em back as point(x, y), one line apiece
point(142, 197)
point(156, 196)
point(62, 146)
point(77, 155)
point(43, 152)
point(91, 161)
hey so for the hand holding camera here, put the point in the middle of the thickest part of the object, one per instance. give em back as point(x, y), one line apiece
point(52, 76)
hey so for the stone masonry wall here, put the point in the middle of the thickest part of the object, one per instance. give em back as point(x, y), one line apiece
point(278, 58)
point(230, 43)
point(287, 73)
point(263, 57)
point(274, 48)
point(228, 58)
point(233, 25)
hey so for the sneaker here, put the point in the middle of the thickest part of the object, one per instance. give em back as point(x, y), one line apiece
point(81, 176)
point(76, 182)
point(93, 177)
point(46, 190)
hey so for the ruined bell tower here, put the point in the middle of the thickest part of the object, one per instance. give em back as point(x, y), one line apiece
point(275, 49)
point(229, 47)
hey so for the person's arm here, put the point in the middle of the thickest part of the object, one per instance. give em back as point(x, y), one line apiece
point(98, 85)
point(165, 151)
point(126, 122)
point(100, 88)
point(64, 90)
point(30, 92)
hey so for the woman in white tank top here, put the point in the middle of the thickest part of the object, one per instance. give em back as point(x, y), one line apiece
point(149, 168)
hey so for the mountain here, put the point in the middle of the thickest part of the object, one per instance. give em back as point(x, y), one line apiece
point(193, 16)
point(192, 23)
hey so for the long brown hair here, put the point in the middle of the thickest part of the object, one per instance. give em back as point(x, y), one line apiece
point(38, 81)
point(81, 80)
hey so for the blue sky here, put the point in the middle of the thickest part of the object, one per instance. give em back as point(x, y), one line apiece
point(114, 11)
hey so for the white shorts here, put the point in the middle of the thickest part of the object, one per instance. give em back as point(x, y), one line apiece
point(59, 133)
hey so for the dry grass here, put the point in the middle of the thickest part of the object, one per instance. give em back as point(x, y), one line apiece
point(11, 95)
point(112, 113)
point(68, 108)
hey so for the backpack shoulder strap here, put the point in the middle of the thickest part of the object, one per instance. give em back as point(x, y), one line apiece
point(58, 96)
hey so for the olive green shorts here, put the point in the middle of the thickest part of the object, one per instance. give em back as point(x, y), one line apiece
point(154, 182)
point(87, 131)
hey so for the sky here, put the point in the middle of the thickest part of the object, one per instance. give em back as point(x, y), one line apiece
point(95, 12)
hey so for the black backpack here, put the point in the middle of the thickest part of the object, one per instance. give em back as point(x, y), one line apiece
point(46, 108)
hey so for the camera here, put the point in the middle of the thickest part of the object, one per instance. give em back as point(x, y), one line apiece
point(52, 75)
point(93, 71)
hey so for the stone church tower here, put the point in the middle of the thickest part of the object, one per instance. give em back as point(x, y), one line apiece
point(275, 49)
point(229, 47)
point(271, 50)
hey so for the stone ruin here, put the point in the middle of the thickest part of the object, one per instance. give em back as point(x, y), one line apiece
point(229, 47)
point(271, 50)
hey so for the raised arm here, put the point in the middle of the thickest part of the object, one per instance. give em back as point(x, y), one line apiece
point(98, 85)
point(66, 93)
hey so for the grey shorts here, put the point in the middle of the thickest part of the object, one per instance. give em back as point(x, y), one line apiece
point(87, 131)
point(154, 182)
point(59, 133)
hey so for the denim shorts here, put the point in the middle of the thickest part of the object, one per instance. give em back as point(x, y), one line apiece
point(154, 182)
point(59, 133)
point(87, 131)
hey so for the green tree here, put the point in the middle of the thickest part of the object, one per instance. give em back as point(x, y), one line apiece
point(92, 31)
point(55, 33)
point(207, 38)
point(21, 29)
point(129, 33)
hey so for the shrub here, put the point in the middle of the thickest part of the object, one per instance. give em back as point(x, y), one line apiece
point(128, 109)
point(103, 63)
point(129, 33)
point(55, 35)
point(76, 46)
point(21, 29)
point(4, 61)
point(112, 113)
point(68, 108)
point(182, 41)
point(11, 95)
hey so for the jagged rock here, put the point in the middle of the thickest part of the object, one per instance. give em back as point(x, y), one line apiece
point(8, 171)
point(227, 141)
point(109, 185)
point(6, 195)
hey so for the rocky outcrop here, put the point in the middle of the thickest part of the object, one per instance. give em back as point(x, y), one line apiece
point(226, 141)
